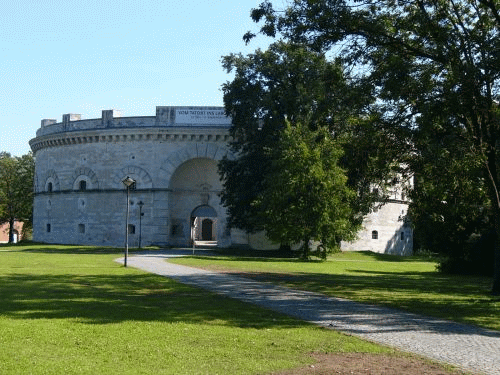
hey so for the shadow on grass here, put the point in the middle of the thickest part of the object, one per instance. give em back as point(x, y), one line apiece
point(288, 256)
point(33, 247)
point(104, 299)
point(397, 258)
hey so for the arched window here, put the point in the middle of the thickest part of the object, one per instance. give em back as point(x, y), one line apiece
point(49, 187)
point(374, 235)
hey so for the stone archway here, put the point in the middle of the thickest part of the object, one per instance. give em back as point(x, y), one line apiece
point(193, 196)
point(212, 151)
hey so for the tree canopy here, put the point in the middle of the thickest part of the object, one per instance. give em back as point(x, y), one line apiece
point(285, 86)
point(305, 194)
point(450, 207)
point(16, 190)
point(283, 82)
point(431, 65)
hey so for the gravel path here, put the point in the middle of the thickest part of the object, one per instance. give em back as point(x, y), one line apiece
point(471, 348)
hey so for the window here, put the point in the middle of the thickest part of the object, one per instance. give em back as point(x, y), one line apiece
point(176, 230)
point(83, 185)
point(48, 228)
point(81, 228)
point(402, 236)
point(131, 229)
point(374, 235)
point(49, 187)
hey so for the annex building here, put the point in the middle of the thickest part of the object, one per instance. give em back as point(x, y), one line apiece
point(80, 197)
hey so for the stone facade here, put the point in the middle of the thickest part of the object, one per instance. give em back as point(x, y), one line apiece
point(386, 230)
point(173, 156)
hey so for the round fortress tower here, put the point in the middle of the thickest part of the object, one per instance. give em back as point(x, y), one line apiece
point(173, 156)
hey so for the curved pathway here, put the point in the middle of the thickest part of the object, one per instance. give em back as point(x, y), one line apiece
point(468, 347)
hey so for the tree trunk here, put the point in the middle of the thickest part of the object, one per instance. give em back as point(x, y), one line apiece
point(495, 290)
point(305, 249)
point(11, 230)
point(492, 164)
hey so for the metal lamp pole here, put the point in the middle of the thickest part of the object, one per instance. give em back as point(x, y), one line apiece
point(141, 203)
point(127, 181)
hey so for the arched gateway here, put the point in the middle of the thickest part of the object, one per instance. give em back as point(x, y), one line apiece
point(172, 158)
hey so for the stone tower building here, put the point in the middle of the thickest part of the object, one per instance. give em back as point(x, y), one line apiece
point(172, 157)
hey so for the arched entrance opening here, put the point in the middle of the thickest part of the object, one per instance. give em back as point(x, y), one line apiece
point(193, 197)
point(204, 225)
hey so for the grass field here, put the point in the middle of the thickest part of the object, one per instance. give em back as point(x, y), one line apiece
point(73, 310)
point(408, 283)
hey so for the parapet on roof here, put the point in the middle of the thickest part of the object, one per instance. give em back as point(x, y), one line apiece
point(176, 116)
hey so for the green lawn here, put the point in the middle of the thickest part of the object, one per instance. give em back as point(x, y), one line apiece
point(409, 283)
point(73, 310)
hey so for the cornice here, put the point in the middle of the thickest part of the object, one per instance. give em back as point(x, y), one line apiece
point(152, 134)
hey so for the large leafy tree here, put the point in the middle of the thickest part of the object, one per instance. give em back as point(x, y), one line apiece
point(430, 63)
point(450, 208)
point(16, 190)
point(294, 84)
point(283, 82)
point(305, 195)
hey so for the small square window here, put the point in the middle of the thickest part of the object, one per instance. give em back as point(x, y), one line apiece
point(176, 230)
point(83, 185)
point(374, 235)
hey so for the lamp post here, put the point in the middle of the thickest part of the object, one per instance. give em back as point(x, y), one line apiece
point(128, 182)
point(141, 203)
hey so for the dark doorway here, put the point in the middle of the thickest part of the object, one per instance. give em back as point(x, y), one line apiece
point(206, 230)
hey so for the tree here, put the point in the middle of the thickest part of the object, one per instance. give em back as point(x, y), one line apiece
point(430, 63)
point(305, 194)
point(291, 83)
point(16, 190)
point(283, 82)
point(450, 209)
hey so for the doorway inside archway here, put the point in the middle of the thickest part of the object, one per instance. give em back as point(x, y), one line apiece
point(207, 226)
point(204, 226)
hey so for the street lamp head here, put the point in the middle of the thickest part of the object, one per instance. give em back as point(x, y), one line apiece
point(141, 203)
point(128, 181)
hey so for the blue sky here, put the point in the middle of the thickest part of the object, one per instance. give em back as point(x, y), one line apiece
point(83, 56)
